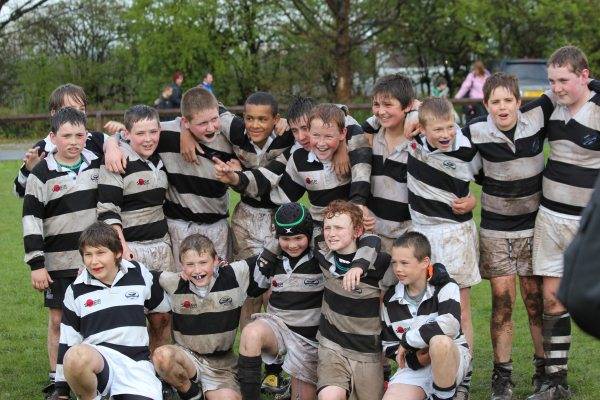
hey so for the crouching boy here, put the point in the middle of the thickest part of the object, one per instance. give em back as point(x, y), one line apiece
point(421, 319)
point(103, 337)
point(206, 303)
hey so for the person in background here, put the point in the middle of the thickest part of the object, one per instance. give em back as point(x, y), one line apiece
point(441, 87)
point(472, 88)
point(207, 82)
point(175, 98)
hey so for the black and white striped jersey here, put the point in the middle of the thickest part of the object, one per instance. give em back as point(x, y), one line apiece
point(413, 326)
point(110, 315)
point(249, 154)
point(511, 177)
point(94, 143)
point(258, 182)
point(208, 324)
point(388, 200)
point(574, 159)
point(135, 199)
point(350, 321)
point(59, 204)
point(194, 193)
point(435, 179)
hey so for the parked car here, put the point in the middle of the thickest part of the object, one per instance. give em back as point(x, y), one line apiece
point(532, 74)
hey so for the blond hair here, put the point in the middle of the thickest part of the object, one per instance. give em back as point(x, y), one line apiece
point(195, 100)
point(435, 108)
point(198, 243)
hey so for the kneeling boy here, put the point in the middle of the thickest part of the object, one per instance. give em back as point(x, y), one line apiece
point(206, 303)
point(421, 315)
point(103, 336)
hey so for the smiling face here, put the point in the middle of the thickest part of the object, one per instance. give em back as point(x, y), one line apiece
point(340, 233)
point(440, 133)
point(407, 268)
point(204, 125)
point(293, 245)
point(325, 139)
point(503, 107)
point(101, 263)
point(301, 131)
point(388, 111)
point(143, 137)
point(570, 88)
point(259, 122)
point(69, 141)
point(199, 267)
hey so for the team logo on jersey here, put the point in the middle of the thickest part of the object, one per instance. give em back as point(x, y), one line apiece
point(312, 281)
point(188, 304)
point(226, 301)
point(590, 140)
point(91, 302)
point(132, 294)
point(449, 164)
point(310, 181)
point(400, 329)
point(57, 188)
point(413, 145)
point(142, 182)
point(94, 177)
point(357, 290)
point(274, 283)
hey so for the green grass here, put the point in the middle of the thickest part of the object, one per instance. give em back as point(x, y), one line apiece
point(23, 360)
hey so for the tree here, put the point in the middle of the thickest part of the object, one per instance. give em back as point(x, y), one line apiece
point(16, 11)
point(339, 31)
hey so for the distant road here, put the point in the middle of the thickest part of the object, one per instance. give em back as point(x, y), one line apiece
point(12, 151)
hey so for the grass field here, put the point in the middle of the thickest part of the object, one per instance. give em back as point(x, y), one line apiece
point(23, 360)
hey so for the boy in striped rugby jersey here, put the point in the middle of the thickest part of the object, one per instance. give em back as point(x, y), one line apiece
point(573, 164)
point(103, 336)
point(132, 202)
point(510, 141)
point(206, 300)
point(285, 334)
point(60, 202)
point(349, 331)
point(421, 325)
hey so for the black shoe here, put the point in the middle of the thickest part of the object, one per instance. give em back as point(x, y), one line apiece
point(552, 391)
point(50, 392)
point(502, 384)
point(539, 378)
point(462, 393)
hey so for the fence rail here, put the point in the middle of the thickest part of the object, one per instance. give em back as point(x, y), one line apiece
point(100, 117)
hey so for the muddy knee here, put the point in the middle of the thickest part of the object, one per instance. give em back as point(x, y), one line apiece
point(163, 358)
point(440, 346)
point(79, 358)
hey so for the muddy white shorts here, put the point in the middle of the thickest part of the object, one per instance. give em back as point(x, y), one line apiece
point(455, 246)
point(126, 376)
point(252, 227)
point(218, 232)
point(424, 377)
point(299, 357)
point(551, 237)
point(154, 254)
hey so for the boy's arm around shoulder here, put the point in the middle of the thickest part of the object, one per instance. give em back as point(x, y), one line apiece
point(367, 253)
point(69, 336)
point(156, 300)
point(360, 152)
point(266, 262)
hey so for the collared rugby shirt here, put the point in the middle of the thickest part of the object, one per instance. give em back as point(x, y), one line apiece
point(208, 325)
point(511, 176)
point(260, 181)
point(110, 316)
point(135, 199)
point(435, 179)
point(58, 205)
point(388, 200)
point(437, 314)
point(574, 160)
point(249, 154)
point(350, 321)
point(194, 193)
point(94, 143)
